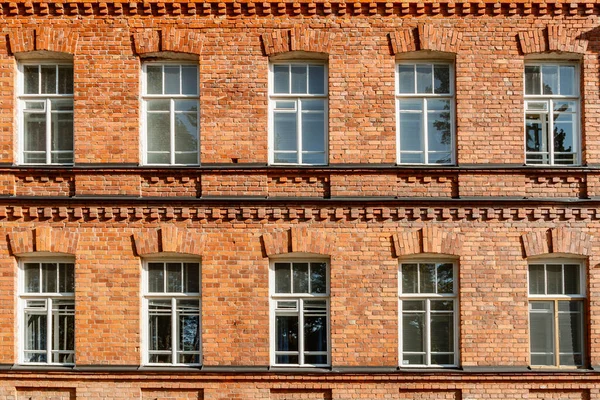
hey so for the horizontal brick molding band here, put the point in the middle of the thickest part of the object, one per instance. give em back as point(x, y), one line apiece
point(430, 239)
point(553, 38)
point(557, 240)
point(60, 40)
point(169, 239)
point(43, 239)
point(425, 37)
point(167, 39)
point(297, 39)
point(298, 240)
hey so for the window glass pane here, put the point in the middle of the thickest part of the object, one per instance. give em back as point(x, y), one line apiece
point(174, 278)
point(32, 278)
point(441, 305)
point(440, 158)
point(286, 359)
point(286, 157)
point(413, 332)
point(65, 79)
point(189, 325)
point(411, 158)
point(535, 131)
point(410, 105)
point(532, 80)
point(413, 305)
point(158, 105)
point(413, 359)
point(286, 331)
point(445, 278)
point(186, 132)
point(441, 79)
point(32, 83)
point(283, 278)
point(536, 279)
point(63, 321)
point(49, 79)
point(315, 359)
point(190, 106)
point(154, 79)
point(564, 129)
point(409, 278)
point(62, 131)
point(300, 277)
point(427, 278)
point(49, 276)
point(442, 333)
point(316, 79)
point(313, 158)
point(424, 78)
point(315, 333)
point(439, 136)
point(172, 79)
point(156, 277)
point(554, 279)
point(35, 333)
point(318, 278)
point(160, 358)
point(542, 331)
point(550, 79)
point(570, 331)
point(442, 359)
point(159, 318)
point(567, 80)
point(66, 279)
point(186, 158)
point(572, 283)
point(299, 79)
point(35, 132)
point(406, 78)
point(285, 131)
point(281, 78)
point(313, 131)
point(189, 79)
point(191, 278)
point(158, 132)
point(158, 158)
point(411, 131)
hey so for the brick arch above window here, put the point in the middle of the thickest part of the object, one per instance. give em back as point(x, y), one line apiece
point(425, 37)
point(43, 239)
point(297, 39)
point(150, 41)
point(557, 240)
point(297, 240)
point(169, 239)
point(58, 40)
point(430, 239)
point(553, 38)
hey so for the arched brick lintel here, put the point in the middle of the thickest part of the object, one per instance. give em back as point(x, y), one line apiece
point(297, 39)
point(43, 239)
point(425, 37)
point(430, 240)
point(297, 240)
point(148, 41)
point(554, 38)
point(59, 40)
point(169, 239)
point(557, 240)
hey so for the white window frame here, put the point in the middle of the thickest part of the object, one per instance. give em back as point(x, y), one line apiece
point(424, 98)
point(298, 111)
point(46, 99)
point(172, 97)
point(549, 99)
point(555, 298)
point(147, 296)
point(49, 297)
point(427, 297)
point(300, 297)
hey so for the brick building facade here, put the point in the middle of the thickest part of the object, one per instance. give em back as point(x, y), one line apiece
point(309, 200)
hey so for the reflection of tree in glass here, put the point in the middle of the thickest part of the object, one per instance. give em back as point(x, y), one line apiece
point(190, 334)
point(442, 124)
point(560, 135)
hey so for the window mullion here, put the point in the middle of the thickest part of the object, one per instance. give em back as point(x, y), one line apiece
point(301, 331)
point(48, 132)
point(424, 132)
point(556, 335)
point(172, 130)
point(174, 332)
point(49, 333)
point(550, 133)
point(299, 132)
point(427, 332)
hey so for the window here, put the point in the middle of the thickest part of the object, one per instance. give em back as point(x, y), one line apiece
point(300, 310)
point(171, 107)
point(428, 323)
point(47, 303)
point(298, 104)
point(425, 113)
point(172, 312)
point(46, 113)
point(556, 314)
point(552, 114)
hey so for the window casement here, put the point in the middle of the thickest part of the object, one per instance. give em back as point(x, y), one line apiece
point(300, 313)
point(552, 107)
point(171, 111)
point(45, 113)
point(428, 320)
point(425, 113)
point(556, 314)
point(47, 312)
point(171, 302)
point(298, 97)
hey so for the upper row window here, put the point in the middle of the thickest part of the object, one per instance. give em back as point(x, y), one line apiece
point(298, 116)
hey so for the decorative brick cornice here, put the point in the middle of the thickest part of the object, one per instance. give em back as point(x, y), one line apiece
point(430, 239)
point(557, 240)
point(60, 40)
point(554, 38)
point(167, 39)
point(43, 239)
point(169, 239)
point(297, 240)
point(425, 37)
point(297, 39)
